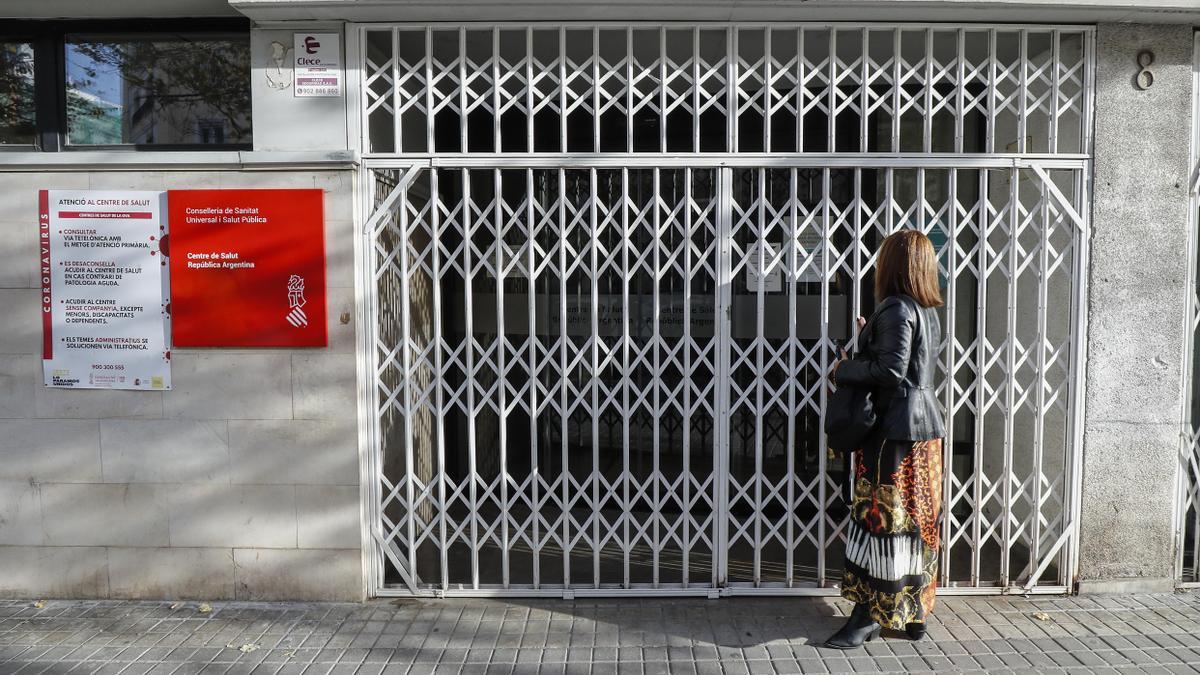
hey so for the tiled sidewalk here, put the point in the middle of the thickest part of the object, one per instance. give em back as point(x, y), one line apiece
point(1142, 634)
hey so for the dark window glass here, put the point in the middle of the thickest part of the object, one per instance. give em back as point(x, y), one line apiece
point(158, 90)
point(16, 94)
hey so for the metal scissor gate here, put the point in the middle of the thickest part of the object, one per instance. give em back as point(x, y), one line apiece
point(606, 268)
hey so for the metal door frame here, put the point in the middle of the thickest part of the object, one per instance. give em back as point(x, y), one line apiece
point(376, 548)
point(1187, 486)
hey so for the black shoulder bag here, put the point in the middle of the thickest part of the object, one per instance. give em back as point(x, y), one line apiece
point(850, 414)
point(849, 418)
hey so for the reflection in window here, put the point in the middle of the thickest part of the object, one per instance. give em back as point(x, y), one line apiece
point(164, 90)
point(16, 93)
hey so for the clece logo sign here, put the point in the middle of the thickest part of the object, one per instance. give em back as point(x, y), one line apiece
point(317, 64)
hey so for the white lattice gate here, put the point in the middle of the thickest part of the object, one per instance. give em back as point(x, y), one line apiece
point(606, 268)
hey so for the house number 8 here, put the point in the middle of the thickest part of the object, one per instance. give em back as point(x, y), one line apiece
point(1145, 78)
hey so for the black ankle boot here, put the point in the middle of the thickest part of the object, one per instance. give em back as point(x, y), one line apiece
point(859, 628)
point(915, 631)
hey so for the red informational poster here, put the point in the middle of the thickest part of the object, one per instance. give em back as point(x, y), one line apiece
point(247, 268)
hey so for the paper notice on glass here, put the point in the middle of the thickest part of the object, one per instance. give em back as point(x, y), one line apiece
point(772, 281)
point(105, 306)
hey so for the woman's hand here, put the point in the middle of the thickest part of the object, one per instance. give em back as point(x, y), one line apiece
point(833, 371)
point(861, 323)
point(842, 356)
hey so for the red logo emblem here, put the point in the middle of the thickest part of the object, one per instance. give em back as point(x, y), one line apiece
point(311, 45)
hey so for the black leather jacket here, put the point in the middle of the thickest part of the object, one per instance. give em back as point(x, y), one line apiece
point(897, 357)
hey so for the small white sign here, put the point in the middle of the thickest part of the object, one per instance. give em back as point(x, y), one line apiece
point(105, 303)
point(318, 64)
point(773, 281)
point(810, 254)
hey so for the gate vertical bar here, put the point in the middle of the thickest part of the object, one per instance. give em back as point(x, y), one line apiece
point(688, 222)
point(758, 230)
point(1055, 88)
point(950, 400)
point(695, 94)
point(990, 136)
point(426, 33)
point(628, 90)
point(395, 93)
point(406, 382)
point(468, 222)
point(1023, 94)
point(528, 93)
point(564, 413)
point(864, 87)
point(1039, 422)
point(857, 264)
point(440, 414)
point(462, 88)
point(1073, 459)
point(896, 60)
point(496, 145)
point(831, 102)
point(731, 90)
point(596, 89)
point(562, 95)
point(1014, 219)
point(662, 89)
point(656, 348)
point(823, 352)
point(366, 313)
point(793, 242)
point(981, 341)
point(626, 373)
point(960, 89)
point(594, 475)
point(927, 99)
point(506, 516)
point(722, 329)
point(502, 378)
point(801, 89)
point(822, 459)
point(534, 340)
point(767, 98)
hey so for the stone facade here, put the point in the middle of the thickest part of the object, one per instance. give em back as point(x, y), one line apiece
point(239, 483)
point(1137, 311)
point(243, 481)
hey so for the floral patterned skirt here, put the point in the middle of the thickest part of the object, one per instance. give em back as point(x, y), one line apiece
point(892, 541)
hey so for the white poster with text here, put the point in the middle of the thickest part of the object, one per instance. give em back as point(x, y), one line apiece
point(318, 70)
point(105, 305)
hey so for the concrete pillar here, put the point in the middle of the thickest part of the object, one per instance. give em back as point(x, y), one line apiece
point(1137, 309)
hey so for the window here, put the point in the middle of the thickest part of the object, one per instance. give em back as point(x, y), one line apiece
point(16, 94)
point(172, 90)
point(167, 85)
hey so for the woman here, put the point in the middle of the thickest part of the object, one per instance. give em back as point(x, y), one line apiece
point(892, 541)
